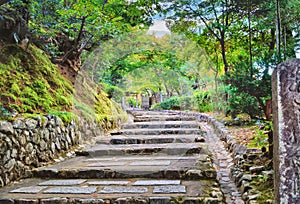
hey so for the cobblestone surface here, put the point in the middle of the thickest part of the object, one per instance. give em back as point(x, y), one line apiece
point(222, 163)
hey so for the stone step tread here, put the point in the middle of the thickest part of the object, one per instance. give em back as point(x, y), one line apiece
point(176, 122)
point(142, 146)
point(159, 114)
point(152, 113)
point(196, 166)
point(134, 139)
point(166, 148)
point(163, 118)
point(93, 190)
point(158, 131)
point(161, 124)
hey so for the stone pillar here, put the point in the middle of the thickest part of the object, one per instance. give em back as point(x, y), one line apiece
point(286, 121)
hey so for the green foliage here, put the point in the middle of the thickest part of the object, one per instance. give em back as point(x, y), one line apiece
point(240, 102)
point(174, 103)
point(131, 101)
point(31, 83)
point(137, 62)
point(248, 94)
point(260, 139)
point(202, 101)
point(66, 117)
point(170, 104)
point(240, 39)
point(107, 110)
point(185, 102)
point(113, 92)
point(84, 24)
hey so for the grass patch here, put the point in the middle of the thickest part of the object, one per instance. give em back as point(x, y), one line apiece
point(66, 117)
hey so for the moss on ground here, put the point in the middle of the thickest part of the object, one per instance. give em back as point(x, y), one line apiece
point(30, 84)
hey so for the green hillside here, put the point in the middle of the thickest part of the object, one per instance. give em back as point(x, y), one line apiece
point(31, 84)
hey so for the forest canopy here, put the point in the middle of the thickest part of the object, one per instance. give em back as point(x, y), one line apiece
point(244, 39)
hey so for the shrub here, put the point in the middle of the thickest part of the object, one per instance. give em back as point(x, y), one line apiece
point(174, 103)
point(202, 101)
point(240, 102)
point(113, 92)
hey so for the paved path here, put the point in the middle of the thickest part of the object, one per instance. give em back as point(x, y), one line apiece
point(158, 157)
point(222, 163)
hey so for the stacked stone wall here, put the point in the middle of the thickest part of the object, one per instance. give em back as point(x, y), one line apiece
point(244, 170)
point(30, 143)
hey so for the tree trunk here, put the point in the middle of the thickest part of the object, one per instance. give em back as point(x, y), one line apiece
point(273, 40)
point(284, 43)
point(250, 39)
point(278, 29)
point(222, 43)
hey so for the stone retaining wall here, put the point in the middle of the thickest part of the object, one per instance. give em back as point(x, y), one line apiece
point(243, 171)
point(29, 143)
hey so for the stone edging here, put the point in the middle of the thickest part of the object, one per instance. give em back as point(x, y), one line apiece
point(240, 154)
point(28, 143)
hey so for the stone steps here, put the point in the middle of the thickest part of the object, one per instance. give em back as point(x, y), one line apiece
point(156, 160)
point(163, 118)
point(133, 149)
point(149, 139)
point(164, 131)
point(139, 166)
point(161, 124)
point(101, 191)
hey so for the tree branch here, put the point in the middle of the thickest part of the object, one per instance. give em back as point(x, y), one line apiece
point(81, 29)
point(204, 20)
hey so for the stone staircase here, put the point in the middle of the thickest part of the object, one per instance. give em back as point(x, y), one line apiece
point(157, 157)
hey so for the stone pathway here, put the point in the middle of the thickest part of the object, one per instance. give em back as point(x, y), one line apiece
point(222, 163)
point(159, 157)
